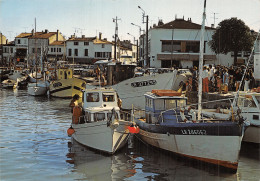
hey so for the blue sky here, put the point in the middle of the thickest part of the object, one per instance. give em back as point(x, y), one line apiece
point(92, 16)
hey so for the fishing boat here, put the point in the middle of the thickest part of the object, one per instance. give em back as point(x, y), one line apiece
point(248, 104)
point(8, 84)
point(169, 124)
point(131, 91)
point(100, 126)
point(66, 86)
point(38, 89)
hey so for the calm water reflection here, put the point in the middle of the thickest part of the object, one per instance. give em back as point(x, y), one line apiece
point(34, 146)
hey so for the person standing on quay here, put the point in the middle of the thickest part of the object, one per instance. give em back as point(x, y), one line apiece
point(205, 80)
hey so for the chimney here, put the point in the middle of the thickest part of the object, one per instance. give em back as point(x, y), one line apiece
point(32, 32)
point(83, 36)
point(46, 31)
point(105, 39)
point(6, 42)
point(100, 36)
point(212, 25)
point(57, 35)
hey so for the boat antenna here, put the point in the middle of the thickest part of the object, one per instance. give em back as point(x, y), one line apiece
point(201, 60)
point(251, 54)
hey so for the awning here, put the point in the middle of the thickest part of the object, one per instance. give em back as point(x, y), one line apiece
point(180, 57)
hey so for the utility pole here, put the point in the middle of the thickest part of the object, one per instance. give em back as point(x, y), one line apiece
point(146, 48)
point(116, 34)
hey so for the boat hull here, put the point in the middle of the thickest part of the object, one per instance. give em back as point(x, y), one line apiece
point(204, 143)
point(252, 134)
point(99, 136)
point(38, 89)
point(131, 91)
point(67, 88)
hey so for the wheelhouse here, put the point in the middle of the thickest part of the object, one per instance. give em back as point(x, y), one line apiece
point(155, 104)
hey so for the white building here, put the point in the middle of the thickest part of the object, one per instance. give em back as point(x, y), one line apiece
point(57, 50)
point(9, 53)
point(177, 43)
point(87, 49)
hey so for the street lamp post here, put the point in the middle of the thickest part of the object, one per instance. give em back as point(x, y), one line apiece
point(136, 46)
point(139, 52)
point(146, 48)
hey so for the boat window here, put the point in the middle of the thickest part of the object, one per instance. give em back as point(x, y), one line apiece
point(61, 72)
point(181, 103)
point(150, 103)
point(249, 103)
point(93, 97)
point(147, 102)
point(159, 104)
point(108, 97)
point(99, 116)
point(170, 104)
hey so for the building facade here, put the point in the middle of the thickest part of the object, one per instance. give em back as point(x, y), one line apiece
point(177, 44)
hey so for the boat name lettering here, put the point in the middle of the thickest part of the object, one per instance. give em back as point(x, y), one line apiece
point(143, 83)
point(57, 84)
point(193, 132)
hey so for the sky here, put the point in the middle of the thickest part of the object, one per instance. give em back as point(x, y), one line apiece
point(89, 17)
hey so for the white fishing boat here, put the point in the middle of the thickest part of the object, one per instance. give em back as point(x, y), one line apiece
point(38, 89)
point(8, 84)
point(131, 91)
point(248, 104)
point(100, 127)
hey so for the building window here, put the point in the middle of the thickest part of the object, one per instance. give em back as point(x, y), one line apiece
point(103, 45)
point(86, 43)
point(54, 49)
point(69, 52)
point(76, 52)
point(18, 41)
point(51, 49)
point(86, 52)
point(59, 49)
point(76, 43)
point(33, 50)
point(11, 50)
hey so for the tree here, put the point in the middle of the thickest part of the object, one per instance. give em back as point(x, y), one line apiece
point(232, 35)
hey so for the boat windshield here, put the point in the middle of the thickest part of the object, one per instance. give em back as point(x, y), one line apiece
point(108, 97)
point(93, 97)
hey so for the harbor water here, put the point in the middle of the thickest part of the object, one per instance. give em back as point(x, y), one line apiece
point(34, 146)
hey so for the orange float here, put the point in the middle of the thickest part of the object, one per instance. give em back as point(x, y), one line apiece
point(161, 92)
point(70, 131)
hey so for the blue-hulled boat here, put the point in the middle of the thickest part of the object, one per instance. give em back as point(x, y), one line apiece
point(165, 124)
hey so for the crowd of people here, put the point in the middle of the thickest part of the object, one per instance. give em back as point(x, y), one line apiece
point(222, 79)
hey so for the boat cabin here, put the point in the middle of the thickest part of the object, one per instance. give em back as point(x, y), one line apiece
point(156, 104)
point(100, 104)
point(64, 73)
point(249, 103)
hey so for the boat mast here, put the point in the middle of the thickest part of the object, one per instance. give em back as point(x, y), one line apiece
point(201, 60)
point(35, 51)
